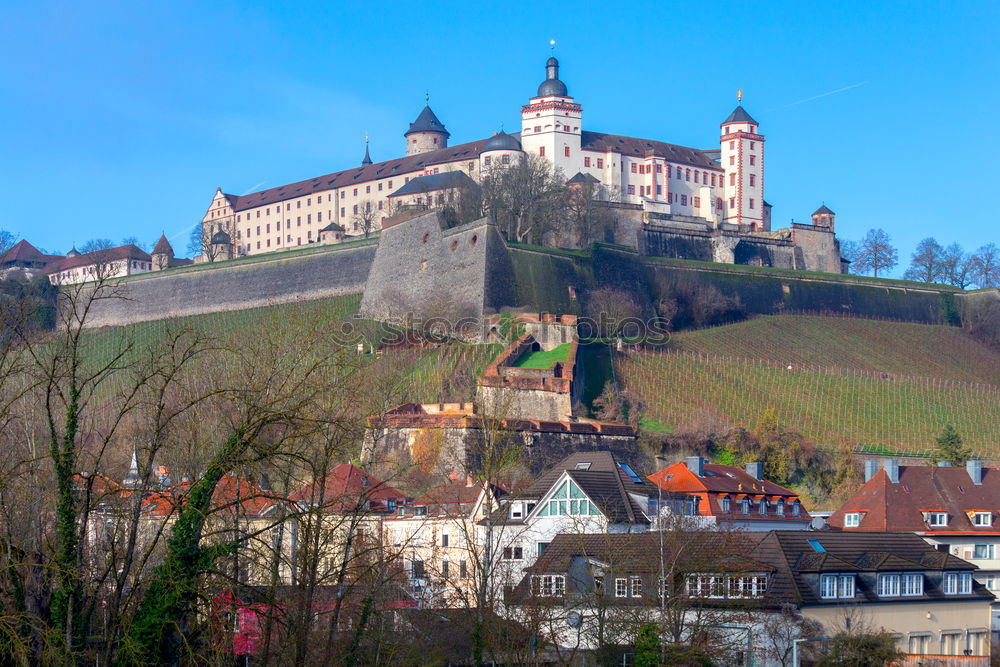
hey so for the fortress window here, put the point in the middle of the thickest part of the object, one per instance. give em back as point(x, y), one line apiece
point(342, 194)
point(732, 160)
point(267, 228)
point(732, 179)
point(298, 204)
point(751, 202)
point(732, 145)
point(659, 189)
point(258, 230)
point(541, 151)
point(687, 174)
point(505, 159)
point(487, 160)
point(634, 168)
point(600, 163)
point(586, 162)
point(684, 200)
point(343, 212)
point(566, 151)
point(713, 180)
point(751, 143)
point(380, 206)
point(380, 187)
point(732, 202)
point(258, 213)
point(355, 192)
point(753, 180)
point(390, 182)
point(752, 160)
point(309, 219)
point(355, 209)
point(258, 245)
point(631, 189)
point(237, 218)
point(368, 189)
point(289, 238)
point(298, 221)
point(248, 232)
point(288, 207)
point(309, 235)
point(319, 217)
point(679, 175)
point(697, 202)
point(368, 206)
point(309, 201)
point(696, 175)
point(278, 241)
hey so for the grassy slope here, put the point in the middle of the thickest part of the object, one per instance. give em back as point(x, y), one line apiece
point(543, 358)
point(881, 385)
point(428, 374)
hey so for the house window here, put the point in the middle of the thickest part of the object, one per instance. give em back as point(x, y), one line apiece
point(463, 569)
point(747, 586)
point(980, 551)
point(621, 587)
point(569, 500)
point(796, 508)
point(982, 519)
point(706, 585)
point(343, 211)
point(444, 568)
point(548, 585)
point(380, 186)
point(745, 506)
point(762, 507)
point(937, 519)
point(600, 163)
point(541, 547)
point(833, 586)
point(779, 507)
point(513, 553)
point(732, 179)
point(586, 162)
point(852, 520)
point(444, 539)
point(913, 584)
point(635, 586)
point(726, 505)
point(417, 567)
point(888, 585)
point(957, 583)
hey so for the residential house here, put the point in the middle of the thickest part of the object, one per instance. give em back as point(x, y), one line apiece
point(956, 509)
point(734, 497)
point(731, 592)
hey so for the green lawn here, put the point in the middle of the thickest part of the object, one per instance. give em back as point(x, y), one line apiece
point(543, 358)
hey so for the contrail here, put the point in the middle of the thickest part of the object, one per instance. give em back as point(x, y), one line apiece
point(187, 230)
point(816, 97)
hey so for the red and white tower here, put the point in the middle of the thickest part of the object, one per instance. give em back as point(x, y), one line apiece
point(551, 123)
point(743, 160)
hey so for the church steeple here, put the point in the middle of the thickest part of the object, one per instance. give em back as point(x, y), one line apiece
point(368, 158)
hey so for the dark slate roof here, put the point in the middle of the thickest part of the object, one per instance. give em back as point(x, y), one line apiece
point(427, 122)
point(333, 227)
point(502, 142)
point(447, 179)
point(221, 238)
point(348, 177)
point(580, 177)
point(739, 115)
point(632, 146)
point(163, 246)
point(792, 556)
point(367, 159)
point(900, 506)
point(823, 210)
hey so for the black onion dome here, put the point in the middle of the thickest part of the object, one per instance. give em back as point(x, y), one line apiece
point(552, 86)
point(501, 142)
point(221, 238)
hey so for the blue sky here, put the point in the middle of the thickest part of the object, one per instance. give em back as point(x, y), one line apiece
point(121, 119)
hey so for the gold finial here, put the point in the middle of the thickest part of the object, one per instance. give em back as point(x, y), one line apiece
point(552, 45)
point(739, 95)
point(366, 138)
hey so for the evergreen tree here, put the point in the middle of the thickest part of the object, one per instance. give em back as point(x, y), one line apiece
point(950, 447)
point(647, 646)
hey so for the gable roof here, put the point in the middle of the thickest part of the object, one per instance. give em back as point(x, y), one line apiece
point(124, 252)
point(431, 182)
point(357, 175)
point(634, 147)
point(900, 506)
point(345, 487)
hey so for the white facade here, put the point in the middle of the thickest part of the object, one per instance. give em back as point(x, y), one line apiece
point(663, 178)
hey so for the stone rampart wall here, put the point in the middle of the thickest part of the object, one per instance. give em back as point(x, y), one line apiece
point(281, 277)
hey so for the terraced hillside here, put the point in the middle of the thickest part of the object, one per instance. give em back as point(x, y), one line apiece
point(878, 386)
point(421, 373)
point(895, 348)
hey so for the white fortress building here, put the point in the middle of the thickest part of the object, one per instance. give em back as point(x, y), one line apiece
point(674, 200)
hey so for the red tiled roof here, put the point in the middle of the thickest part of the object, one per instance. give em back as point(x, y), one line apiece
point(344, 486)
point(129, 251)
point(22, 251)
point(632, 146)
point(898, 507)
point(339, 179)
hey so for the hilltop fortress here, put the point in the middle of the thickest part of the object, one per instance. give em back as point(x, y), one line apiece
point(668, 200)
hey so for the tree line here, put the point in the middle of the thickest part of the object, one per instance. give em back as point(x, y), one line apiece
point(931, 262)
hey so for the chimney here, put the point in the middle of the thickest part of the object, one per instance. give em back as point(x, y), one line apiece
point(696, 464)
point(975, 470)
point(755, 469)
point(871, 469)
point(892, 470)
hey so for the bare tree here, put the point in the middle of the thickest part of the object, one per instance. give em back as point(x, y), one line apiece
point(925, 263)
point(526, 198)
point(367, 219)
point(93, 245)
point(985, 266)
point(876, 253)
point(7, 240)
point(956, 266)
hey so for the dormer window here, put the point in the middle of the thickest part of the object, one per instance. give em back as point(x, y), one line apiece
point(779, 507)
point(516, 511)
point(937, 519)
point(957, 583)
point(982, 519)
point(762, 507)
point(852, 519)
point(727, 505)
point(745, 505)
point(836, 586)
point(796, 508)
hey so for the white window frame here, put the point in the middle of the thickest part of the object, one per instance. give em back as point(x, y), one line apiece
point(989, 551)
point(957, 583)
point(982, 519)
point(912, 584)
point(548, 585)
point(852, 519)
point(937, 519)
point(621, 587)
point(635, 586)
point(889, 585)
point(842, 586)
